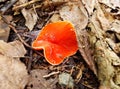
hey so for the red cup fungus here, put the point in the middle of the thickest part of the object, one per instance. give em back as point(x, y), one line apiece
point(57, 40)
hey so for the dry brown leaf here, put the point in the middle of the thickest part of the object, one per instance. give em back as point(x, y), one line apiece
point(78, 16)
point(37, 81)
point(75, 14)
point(4, 28)
point(104, 22)
point(12, 49)
point(13, 73)
point(30, 17)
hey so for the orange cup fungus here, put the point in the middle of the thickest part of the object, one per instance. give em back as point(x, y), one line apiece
point(58, 41)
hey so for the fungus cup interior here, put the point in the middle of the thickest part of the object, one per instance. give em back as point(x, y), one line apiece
point(58, 41)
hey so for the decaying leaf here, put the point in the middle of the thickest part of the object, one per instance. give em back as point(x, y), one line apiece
point(77, 15)
point(37, 81)
point(104, 22)
point(13, 73)
point(89, 5)
point(111, 3)
point(93, 19)
point(108, 63)
point(4, 28)
point(30, 17)
point(12, 49)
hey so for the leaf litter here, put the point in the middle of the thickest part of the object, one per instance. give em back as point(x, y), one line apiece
point(13, 73)
point(97, 29)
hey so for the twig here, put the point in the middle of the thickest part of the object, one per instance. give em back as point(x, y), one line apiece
point(25, 4)
point(13, 28)
point(50, 4)
point(27, 45)
point(50, 74)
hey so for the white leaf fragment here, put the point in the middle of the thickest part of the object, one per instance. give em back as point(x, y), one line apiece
point(30, 17)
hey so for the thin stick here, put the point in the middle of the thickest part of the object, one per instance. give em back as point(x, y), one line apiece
point(25, 4)
point(13, 28)
point(50, 74)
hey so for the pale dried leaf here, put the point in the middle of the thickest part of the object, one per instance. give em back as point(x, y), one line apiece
point(13, 73)
point(104, 22)
point(75, 14)
point(38, 82)
point(55, 17)
point(112, 6)
point(115, 26)
point(89, 5)
point(111, 3)
point(30, 17)
point(4, 28)
point(12, 49)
